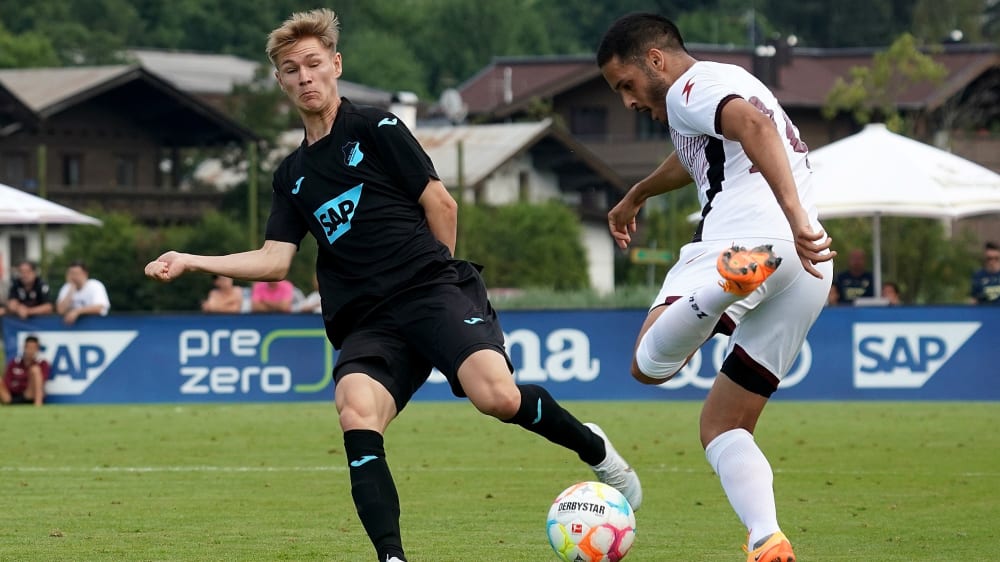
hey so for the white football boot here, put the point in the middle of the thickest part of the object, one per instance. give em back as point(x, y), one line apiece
point(617, 473)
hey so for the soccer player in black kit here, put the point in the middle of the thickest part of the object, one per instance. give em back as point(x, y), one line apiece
point(395, 302)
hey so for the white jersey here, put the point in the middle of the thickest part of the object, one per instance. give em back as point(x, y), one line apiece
point(736, 201)
point(92, 292)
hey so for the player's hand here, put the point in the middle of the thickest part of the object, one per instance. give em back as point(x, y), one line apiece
point(813, 247)
point(621, 220)
point(167, 267)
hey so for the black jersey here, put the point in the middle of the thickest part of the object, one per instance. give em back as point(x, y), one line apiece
point(35, 295)
point(357, 190)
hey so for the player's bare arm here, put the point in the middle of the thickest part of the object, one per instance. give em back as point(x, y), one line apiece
point(441, 212)
point(745, 124)
point(268, 263)
point(668, 176)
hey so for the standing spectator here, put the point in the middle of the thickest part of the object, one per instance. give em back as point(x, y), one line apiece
point(24, 380)
point(890, 292)
point(81, 294)
point(29, 294)
point(312, 302)
point(986, 281)
point(272, 296)
point(224, 298)
point(857, 281)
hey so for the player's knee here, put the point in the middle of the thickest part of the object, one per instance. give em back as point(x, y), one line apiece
point(357, 418)
point(500, 404)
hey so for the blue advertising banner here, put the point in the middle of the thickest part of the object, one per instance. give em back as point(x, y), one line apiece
point(904, 353)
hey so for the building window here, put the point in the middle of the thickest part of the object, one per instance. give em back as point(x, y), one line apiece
point(589, 122)
point(18, 249)
point(524, 186)
point(15, 169)
point(72, 169)
point(647, 129)
point(125, 170)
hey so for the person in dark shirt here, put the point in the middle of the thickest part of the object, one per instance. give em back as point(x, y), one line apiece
point(395, 301)
point(857, 281)
point(986, 281)
point(29, 294)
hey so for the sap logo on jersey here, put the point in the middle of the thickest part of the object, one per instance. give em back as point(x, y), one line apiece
point(78, 358)
point(335, 215)
point(905, 354)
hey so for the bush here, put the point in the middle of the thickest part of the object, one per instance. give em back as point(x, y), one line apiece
point(524, 245)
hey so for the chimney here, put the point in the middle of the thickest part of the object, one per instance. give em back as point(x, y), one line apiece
point(783, 47)
point(765, 65)
point(508, 85)
point(404, 106)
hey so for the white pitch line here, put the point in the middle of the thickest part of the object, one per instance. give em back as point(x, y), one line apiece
point(338, 468)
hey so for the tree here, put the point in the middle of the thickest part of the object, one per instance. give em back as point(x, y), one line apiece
point(115, 254)
point(929, 266)
point(525, 245)
point(874, 90)
point(213, 235)
point(934, 21)
point(26, 50)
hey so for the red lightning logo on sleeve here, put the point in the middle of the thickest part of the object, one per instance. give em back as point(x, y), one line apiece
point(686, 92)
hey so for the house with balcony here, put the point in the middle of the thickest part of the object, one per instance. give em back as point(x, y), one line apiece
point(111, 138)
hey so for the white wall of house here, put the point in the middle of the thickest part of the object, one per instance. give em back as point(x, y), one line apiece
point(503, 186)
point(600, 250)
point(55, 240)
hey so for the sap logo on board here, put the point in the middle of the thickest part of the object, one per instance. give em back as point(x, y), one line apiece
point(77, 359)
point(905, 354)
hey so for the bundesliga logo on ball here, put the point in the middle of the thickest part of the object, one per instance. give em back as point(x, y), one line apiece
point(591, 522)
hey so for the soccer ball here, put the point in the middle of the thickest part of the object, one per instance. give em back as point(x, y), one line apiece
point(591, 522)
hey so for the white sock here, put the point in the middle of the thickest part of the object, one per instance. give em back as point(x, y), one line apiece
point(680, 330)
point(747, 480)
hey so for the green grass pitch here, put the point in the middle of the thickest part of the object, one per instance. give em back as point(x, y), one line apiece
point(854, 481)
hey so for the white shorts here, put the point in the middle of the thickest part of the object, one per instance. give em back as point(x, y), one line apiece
point(772, 322)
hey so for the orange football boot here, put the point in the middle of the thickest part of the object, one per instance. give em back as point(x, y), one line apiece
point(744, 270)
point(775, 549)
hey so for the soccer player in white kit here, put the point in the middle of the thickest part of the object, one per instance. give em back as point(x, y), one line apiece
point(734, 141)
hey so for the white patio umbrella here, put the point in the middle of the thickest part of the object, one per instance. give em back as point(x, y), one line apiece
point(877, 172)
point(19, 207)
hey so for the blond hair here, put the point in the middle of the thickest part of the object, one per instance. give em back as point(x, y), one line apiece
point(321, 23)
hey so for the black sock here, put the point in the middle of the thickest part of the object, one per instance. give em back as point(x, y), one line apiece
point(541, 414)
point(374, 492)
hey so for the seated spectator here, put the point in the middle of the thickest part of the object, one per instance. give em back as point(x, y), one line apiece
point(81, 295)
point(272, 296)
point(29, 294)
point(24, 379)
point(986, 281)
point(312, 302)
point(856, 281)
point(890, 292)
point(225, 298)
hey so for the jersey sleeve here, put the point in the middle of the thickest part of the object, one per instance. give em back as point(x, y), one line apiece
point(404, 158)
point(284, 224)
point(698, 108)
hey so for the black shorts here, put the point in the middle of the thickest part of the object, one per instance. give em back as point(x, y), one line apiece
point(435, 325)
